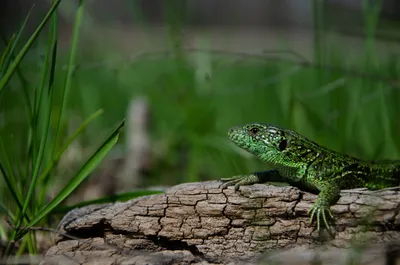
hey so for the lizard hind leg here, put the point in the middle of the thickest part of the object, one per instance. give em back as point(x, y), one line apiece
point(329, 194)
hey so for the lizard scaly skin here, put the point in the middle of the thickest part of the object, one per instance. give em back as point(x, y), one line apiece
point(308, 166)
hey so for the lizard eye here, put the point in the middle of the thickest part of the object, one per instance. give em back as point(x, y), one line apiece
point(282, 145)
point(254, 130)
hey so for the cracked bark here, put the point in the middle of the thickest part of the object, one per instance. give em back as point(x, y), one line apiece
point(200, 222)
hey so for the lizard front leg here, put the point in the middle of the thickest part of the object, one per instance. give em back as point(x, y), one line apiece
point(329, 194)
point(253, 178)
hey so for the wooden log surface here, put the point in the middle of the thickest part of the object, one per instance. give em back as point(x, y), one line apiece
point(200, 223)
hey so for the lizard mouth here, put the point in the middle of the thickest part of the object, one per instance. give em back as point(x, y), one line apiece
point(239, 137)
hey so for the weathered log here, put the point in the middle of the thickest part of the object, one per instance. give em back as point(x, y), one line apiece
point(200, 222)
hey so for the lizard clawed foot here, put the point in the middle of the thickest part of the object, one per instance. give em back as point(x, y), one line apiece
point(320, 210)
point(240, 180)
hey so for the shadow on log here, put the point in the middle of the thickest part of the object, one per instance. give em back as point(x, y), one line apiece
point(201, 223)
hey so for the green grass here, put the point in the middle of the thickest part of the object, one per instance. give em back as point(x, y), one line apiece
point(192, 106)
point(30, 148)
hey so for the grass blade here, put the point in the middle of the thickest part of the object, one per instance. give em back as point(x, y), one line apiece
point(6, 52)
point(4, 210)
point(11, 185)
point(7, 75)
point(47, 171)
point(38, 95)
point(70, 70)
point(15, 39)
point(82, 173)
point(46, 124)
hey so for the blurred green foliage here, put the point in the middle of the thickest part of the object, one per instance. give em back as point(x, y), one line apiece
point(329, 100)
point(354, 114)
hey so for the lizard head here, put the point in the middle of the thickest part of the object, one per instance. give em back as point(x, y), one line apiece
point(265, 141)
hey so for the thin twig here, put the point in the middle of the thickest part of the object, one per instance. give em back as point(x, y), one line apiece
point(264, 55)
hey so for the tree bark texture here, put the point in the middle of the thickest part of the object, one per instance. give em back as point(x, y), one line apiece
point(199, 223)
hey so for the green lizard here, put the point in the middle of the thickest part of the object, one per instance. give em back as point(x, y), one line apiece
point(308, 166)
